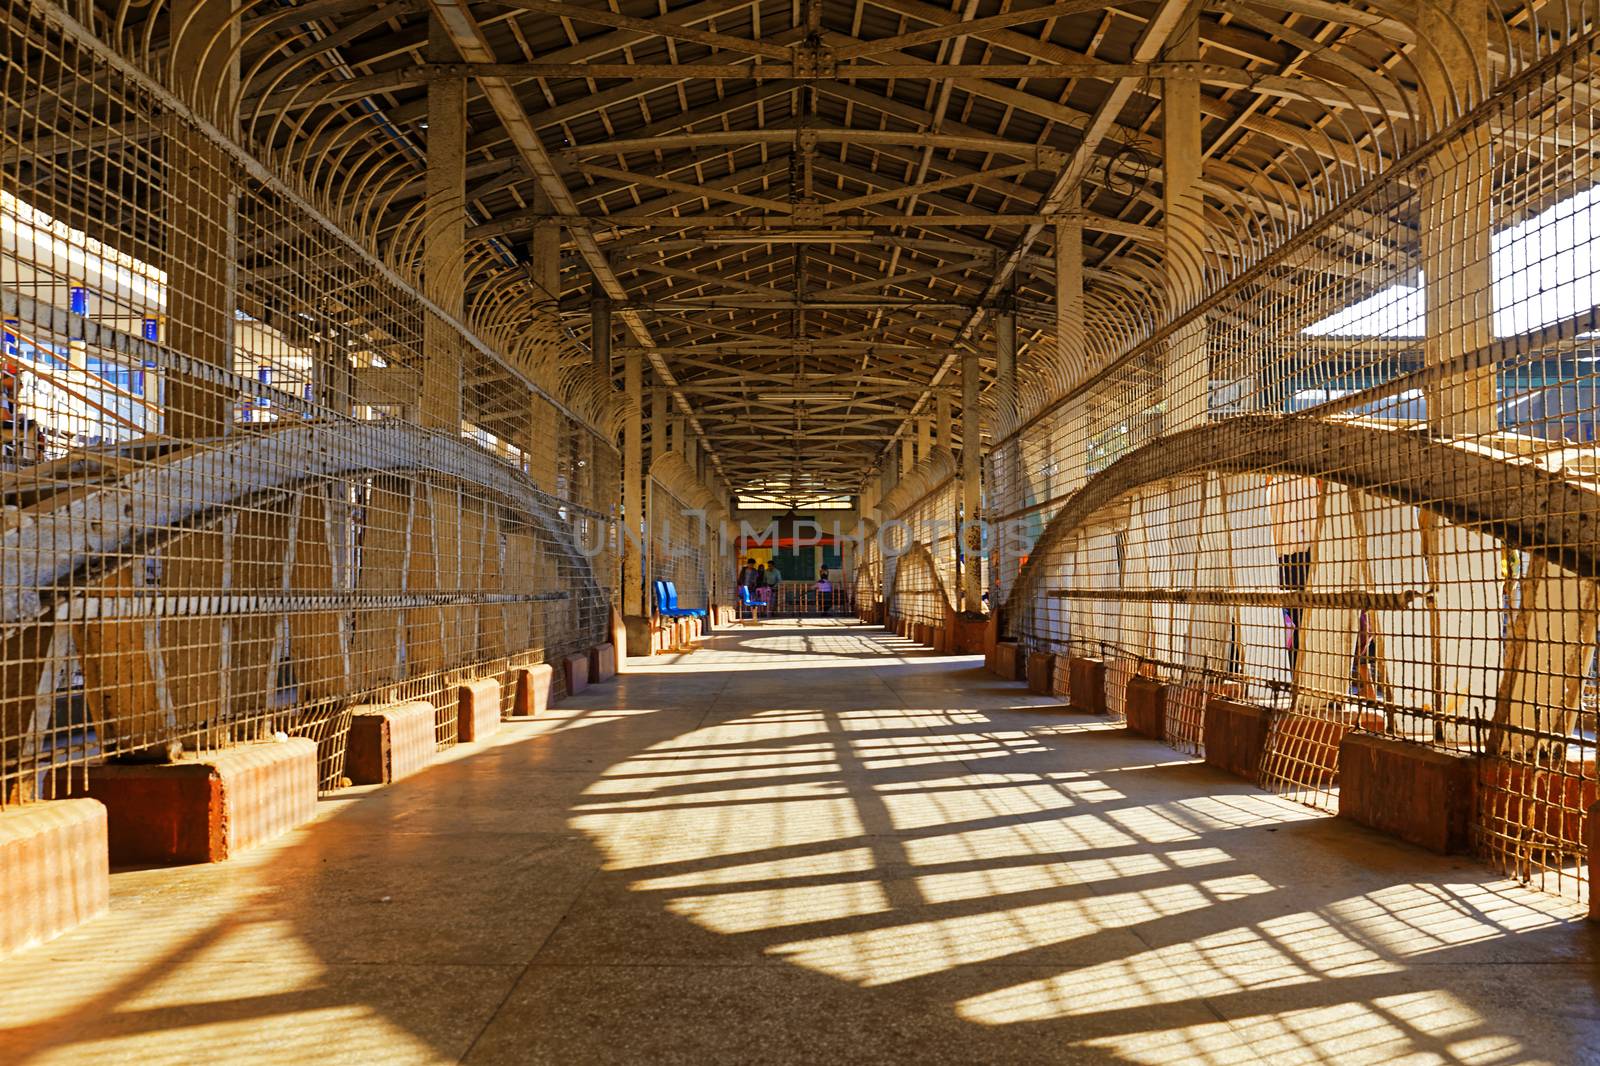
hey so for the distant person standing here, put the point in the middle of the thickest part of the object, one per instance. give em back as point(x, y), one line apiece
point(824, 592)
point(750, 576)
point(774, 580)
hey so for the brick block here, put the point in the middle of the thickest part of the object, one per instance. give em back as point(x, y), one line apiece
point(575, 672)
point(1041, 673)
point(477, 709)
point(1009, 662)
point(389, 742)
point(1147, 707)
point(1421, 795)
point(205, 808)
point(532, 693)
point(922, 633)
point(1235, 736)
point(1086, 684)
point(55, 870)
point(602, 663)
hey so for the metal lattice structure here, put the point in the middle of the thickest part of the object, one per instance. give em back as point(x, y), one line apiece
point(257, 468)
point(1355, 483)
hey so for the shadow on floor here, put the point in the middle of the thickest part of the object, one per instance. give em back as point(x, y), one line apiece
point(890, 864)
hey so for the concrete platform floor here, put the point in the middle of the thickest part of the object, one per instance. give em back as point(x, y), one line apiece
point(814, 844)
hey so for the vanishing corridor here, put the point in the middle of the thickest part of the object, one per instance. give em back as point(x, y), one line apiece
point(814, 843)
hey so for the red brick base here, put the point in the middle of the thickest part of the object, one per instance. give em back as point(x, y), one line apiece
point(54, 870)
point(207, 808)
point(1086, 679)
point(1041, 673)
point(1008, 662)
point(1421, 795)
point(1235, 736)
point(477, 709)
point(389, 742)
point(531, 696)
point(1147, 707)
point(575, 672)
point(602, 663)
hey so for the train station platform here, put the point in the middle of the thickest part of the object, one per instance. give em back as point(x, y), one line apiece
point(814, 843)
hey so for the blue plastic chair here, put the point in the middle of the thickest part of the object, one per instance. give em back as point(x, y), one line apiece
point(748, 601)
point(663, 601)
point(681, 612)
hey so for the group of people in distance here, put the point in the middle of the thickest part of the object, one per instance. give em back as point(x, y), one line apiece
point(763, 580)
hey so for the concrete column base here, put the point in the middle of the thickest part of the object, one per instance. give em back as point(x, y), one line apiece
point(55, 871)
point(1086, 684)
point(389, 742)
point(209, 807)
point(1235, 736)
point(532, 693)
point(639, 634)
point(575, 672)
point(1147, 707)
point(602, 663)
point(1418, 794)
point(477, 709)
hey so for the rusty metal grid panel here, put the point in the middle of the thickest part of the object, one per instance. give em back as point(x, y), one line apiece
point(1358, 480)
point(683, 546)
point(255, 472)
point(922, 539)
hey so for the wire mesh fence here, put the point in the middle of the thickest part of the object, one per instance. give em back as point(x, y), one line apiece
point(923, 537)
point(1356, 482)
point(256, 472)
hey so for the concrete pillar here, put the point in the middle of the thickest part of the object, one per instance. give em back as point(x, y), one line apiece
point(1455, 226)
point(545, 425)
point(544, 255)
point(1005, 370)
point(202, 218)
point(659, 420)
point(444, 243)
point(633, 603)
point(1186, 377)
point(1012, 493)
point(600, 336)
point(944, 431)
point(1071, 345)
point(971, 438)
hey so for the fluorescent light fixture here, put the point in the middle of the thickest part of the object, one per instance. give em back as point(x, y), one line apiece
point(804, 397)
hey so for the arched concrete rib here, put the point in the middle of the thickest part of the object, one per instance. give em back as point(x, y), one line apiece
point(1526, 500)
point(71, 534)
